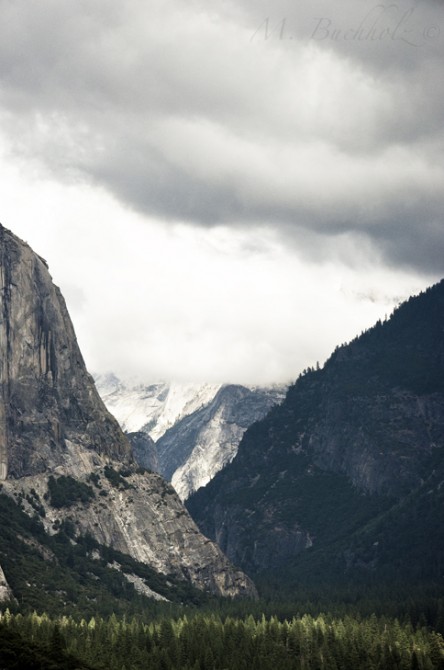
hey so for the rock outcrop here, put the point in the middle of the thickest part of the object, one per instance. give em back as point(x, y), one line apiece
point(144, 450)
point(5, 591)
point(137, 514)
point(54, 425)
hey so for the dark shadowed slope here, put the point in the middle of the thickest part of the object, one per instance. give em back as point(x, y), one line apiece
point(351, 465)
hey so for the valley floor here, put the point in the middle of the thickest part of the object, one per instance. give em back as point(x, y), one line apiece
point(208, 642)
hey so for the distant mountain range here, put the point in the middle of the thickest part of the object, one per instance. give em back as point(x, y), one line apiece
point(346, 476)
point(196, 427)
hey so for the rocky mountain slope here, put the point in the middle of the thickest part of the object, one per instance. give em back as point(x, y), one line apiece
point(196, 427)
point(198, 446)
point(351, 465)
point(64, 457)
point(135, 513)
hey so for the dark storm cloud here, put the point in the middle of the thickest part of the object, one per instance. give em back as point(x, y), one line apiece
point(319, 119)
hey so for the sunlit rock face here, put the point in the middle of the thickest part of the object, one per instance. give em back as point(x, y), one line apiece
point(5, 591)
point(141, 515)
point(196, 448)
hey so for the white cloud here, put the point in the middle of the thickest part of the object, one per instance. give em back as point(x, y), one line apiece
point(176, 302)
point(216, 205)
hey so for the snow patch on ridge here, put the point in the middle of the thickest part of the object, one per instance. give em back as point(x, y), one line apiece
point(153, 408)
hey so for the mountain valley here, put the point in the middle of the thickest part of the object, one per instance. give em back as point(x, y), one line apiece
point(329, 494)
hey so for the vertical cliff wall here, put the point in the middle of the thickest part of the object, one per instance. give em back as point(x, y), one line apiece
point(46, 396)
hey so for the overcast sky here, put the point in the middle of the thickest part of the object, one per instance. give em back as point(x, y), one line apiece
point(224, 191)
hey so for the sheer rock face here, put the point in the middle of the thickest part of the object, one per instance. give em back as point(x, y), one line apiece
point(53, 422)
point(46, 397)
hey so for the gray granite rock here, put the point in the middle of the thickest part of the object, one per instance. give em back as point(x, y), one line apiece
point(5, 591)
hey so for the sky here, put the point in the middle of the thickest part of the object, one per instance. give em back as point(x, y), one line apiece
point(224, 191)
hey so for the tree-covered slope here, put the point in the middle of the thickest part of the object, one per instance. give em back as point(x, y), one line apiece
point(350, 465)
point(211, 643)
point(66, 573)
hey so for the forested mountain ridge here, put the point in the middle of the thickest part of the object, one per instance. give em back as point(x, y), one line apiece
point(351, 464)
point(64, 458)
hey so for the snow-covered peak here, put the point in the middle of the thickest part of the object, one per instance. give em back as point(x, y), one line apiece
point(153, 408)
point(181, 401)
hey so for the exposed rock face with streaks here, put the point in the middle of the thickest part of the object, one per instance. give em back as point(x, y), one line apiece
point(144, 450)
point(198, 446)
point(54, 424)
point(140, 515)
point(47, 397)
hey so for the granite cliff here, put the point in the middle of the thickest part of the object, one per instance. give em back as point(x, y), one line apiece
point(48, 401)
point(144, 450)
point(56, 435)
